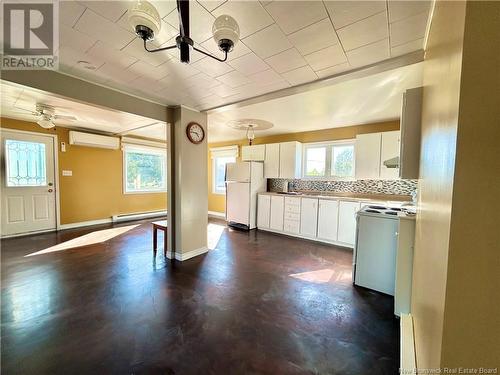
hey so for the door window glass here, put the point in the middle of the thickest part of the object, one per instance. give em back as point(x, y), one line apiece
point(25, 163)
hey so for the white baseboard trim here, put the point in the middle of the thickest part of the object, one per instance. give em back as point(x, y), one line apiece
point(84, 224)
point(27, 233)
point(189, 254)
point(217, 215)
point(407, 351)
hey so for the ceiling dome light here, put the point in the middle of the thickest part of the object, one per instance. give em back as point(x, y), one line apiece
point(145, 20)
point(46, 122)
point(226, 32)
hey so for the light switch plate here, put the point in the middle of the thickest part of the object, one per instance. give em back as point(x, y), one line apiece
point(67, 173)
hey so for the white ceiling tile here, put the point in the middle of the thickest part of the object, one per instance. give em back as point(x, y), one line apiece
point(176, 68)
point(333, 70)
point(69, 57)
point(266, 77)
point(240, 49)
point(249, 64)
point(212, 67)
point(136, 49)
point(369, 54)
point(194, 56)
point(201, 29)
point(164, 7)
point(294, 15)
point(327, 57)
point(315, 37)
point(268, 41)
point(69, 37)
point(224, 91)
point(201, 81)
point(300, 75)
point(112, 10)
point(100, 28)
point(285, 61)
point(70, 12)
point(233, 79)
point(88, 75)
point(364, 32)
point(117, 73)
point(399, 10)
point(146, 70)
point(402, 49)
point(210, 5)
point(344, 13)
point(111, 55)
point(172, 84)
point(408, 29)
point(250, 15)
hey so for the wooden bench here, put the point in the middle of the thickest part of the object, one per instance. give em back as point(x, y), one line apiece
point(161, 225)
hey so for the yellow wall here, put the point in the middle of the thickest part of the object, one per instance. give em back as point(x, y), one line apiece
point(456, 278)
point(95, 191)
point(217, 202)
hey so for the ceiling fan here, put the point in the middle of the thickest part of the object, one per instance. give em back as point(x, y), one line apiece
point(146, 22)
point(45, 115)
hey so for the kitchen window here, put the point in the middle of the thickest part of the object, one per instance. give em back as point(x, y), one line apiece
point(220, 157)
point(144, 169)
point(332, 160)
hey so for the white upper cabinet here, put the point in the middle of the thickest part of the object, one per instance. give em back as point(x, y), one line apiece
point(272, 161)
point(411, 114)
point(308, 217)
point(328, 219)
point(368, 156)
point(389, 150)
point(253, 153)
point(290, 160)
point(347, 222)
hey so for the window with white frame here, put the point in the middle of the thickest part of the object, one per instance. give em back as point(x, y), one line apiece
point(144, 169)
point(329, 160)
point(220, 157)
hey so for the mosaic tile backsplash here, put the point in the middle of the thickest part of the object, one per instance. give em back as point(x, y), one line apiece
point(400, 187)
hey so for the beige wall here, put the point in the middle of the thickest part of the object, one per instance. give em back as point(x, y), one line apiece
point(471, 331)
point(455, 300)
point(95, 191)
point(217, 202)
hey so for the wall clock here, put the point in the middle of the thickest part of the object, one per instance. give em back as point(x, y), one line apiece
point(195, 133)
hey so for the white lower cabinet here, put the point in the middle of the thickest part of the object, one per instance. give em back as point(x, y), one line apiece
point(328, 213)
point(263, 210)
point(277, 213)
point(347, 222)
point(308, 217)
point(292, 215)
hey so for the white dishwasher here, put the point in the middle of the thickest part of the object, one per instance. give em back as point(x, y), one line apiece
point(383, 253)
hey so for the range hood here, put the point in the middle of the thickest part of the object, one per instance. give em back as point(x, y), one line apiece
point(392, 162)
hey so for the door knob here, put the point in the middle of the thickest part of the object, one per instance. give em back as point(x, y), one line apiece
point(50, 184)
point(50, 190)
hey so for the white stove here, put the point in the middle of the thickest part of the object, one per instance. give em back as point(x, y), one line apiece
point(407, 212)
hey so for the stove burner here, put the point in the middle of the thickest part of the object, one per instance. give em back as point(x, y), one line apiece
point(395, 209)
point(373, 211)
point(377, 207)
point(390, 213)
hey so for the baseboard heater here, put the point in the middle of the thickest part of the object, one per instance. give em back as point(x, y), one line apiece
point(407, 350)
point(138, 216)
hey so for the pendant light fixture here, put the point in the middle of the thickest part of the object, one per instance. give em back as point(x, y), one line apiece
point(250, 126)
point(146, 23)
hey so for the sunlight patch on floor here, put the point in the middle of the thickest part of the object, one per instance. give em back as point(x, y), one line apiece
point(214, 232)
point(87, 239)
point(316, 277)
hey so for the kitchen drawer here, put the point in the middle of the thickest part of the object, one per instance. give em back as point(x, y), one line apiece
point(293, 209)
point(292, 216)
point(291, 226)
point(292, 201)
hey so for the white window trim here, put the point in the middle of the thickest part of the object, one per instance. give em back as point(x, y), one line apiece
point(139, 148)
point(221, 152)
point(328, 161)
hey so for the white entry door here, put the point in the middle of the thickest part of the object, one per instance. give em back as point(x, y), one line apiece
point(28, 184)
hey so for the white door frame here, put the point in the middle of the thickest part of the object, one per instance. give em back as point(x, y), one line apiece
point(55, 143)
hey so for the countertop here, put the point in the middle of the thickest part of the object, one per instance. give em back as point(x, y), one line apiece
point(347, 196)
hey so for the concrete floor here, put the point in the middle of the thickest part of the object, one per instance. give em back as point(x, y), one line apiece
point(258, 303)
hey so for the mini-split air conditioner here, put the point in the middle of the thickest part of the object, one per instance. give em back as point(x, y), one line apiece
point(93, 140)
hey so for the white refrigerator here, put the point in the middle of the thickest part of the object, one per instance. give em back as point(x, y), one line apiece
point(244, 180)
